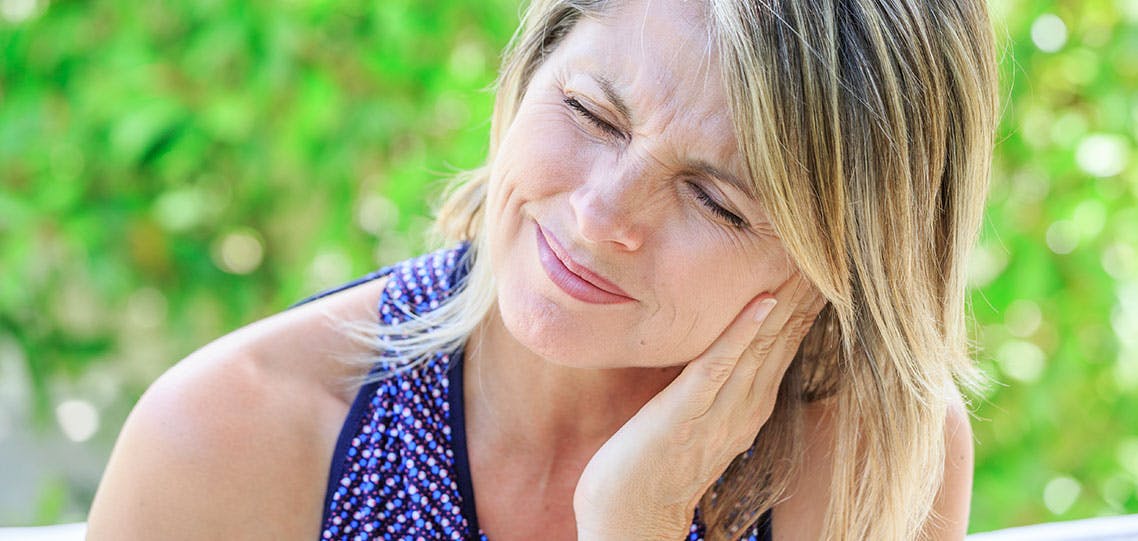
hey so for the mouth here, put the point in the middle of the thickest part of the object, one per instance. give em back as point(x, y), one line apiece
point(572, 277)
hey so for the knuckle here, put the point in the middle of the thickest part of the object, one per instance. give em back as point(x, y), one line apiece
point(718, 369)
point(801, 326)
point(759, 349)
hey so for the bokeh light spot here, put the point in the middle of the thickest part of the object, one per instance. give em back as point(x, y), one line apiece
point(1129, 9)
point(1068, 128)
point(1124, 318)
point(1102, 154)
point(17, 11)
point(1021, 360)
point(1115, 490)
point(375, 214)
point(985, 264)
point(1120, 260)
point(1090, 218)
point(1060, 494)
point(467, 61)
point(1049, 33)
point(1127, 455)
point(78, 419)
point(146, 308)
point(328, 268)
point(180, 210)
point(1023, 318)
point(1062, 237)
point(1126, 370)
point(239, 252)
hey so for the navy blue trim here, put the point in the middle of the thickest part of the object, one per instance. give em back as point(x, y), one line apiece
point(339, 455)
point(457, 420)
point(766, 532)
point(359, 404)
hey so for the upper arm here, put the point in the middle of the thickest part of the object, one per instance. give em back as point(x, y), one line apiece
point(802, 514)
point(235, 441)
point(196, 460)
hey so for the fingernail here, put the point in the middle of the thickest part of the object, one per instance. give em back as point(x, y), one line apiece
point(764, 309)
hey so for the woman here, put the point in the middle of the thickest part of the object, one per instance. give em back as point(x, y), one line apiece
point(710, 283)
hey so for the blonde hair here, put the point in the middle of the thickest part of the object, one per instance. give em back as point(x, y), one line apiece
point(867, 127)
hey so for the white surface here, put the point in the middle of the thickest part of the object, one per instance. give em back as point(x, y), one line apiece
point(1123, 528)
point(62, 532)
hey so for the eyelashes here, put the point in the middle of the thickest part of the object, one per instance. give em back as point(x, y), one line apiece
point(716, 209)
point(700, 194)
point(594, 119)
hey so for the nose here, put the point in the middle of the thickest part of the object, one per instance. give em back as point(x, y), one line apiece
point(610, 207)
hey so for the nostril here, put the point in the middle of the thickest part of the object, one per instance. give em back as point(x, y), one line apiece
point(599, 220)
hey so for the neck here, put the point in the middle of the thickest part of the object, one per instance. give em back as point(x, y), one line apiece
point(518, 402)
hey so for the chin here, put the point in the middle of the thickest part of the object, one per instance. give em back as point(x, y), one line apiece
point(561, 337)
point(548, 330)
point(567, 338)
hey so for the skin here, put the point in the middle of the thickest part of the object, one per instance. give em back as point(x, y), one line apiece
point(584, 421)
point(617, 184)
point(235, 442)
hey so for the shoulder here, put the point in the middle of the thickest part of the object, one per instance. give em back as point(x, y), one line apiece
point(950, 510)
point(802, 514)
point(237, 438)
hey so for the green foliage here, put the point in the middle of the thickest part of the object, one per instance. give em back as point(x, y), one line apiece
point(172, 170)
point(1057, 307)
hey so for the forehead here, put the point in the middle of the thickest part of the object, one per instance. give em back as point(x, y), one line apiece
point(660, 56)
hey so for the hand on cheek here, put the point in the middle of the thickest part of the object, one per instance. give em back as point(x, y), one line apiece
point(646, 480)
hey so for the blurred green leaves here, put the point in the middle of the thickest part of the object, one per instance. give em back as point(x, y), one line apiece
point(1057, 302)
point(170, 171)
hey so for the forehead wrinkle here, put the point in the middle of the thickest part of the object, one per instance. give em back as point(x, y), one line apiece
point(665, 101)
point(687, 23)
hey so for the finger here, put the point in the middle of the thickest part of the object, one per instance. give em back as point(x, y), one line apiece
point(748, 397)
point(769, 375)
point(790, 296)
point(796, 295)
point(795, 304)
point(702, 378)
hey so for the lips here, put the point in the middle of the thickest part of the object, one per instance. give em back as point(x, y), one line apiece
point(575, 278)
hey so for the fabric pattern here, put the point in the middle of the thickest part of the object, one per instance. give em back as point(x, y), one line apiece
point(400, 469)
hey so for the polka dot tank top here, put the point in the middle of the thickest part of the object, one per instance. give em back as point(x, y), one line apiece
point(400, 468)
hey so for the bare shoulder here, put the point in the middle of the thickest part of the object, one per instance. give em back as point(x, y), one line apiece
point(950, 510)
point(802, 514)
point(235, 441)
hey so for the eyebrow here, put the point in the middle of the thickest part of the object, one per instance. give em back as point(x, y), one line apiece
point(723, 176)
point(609, 89)
point(610, 92)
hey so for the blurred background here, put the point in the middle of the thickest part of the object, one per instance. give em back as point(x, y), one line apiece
point(170, 171)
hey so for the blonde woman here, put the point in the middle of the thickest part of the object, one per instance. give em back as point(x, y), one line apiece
point(709, 284)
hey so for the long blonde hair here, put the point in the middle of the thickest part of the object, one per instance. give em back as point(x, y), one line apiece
point(867, 127)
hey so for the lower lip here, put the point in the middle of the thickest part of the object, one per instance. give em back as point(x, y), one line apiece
point(570, 283)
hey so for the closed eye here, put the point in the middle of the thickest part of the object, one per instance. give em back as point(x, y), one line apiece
point(704, 198)
point(717, 209)
point(593, 119)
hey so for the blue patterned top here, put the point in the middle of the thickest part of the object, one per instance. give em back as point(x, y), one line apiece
point(400, 468)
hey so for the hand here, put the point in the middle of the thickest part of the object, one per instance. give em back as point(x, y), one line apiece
point(645, 481)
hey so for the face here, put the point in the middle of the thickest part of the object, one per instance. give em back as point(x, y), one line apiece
point(621, 169)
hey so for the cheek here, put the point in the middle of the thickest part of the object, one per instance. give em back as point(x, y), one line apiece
point(542, 153)
point(706, 289)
